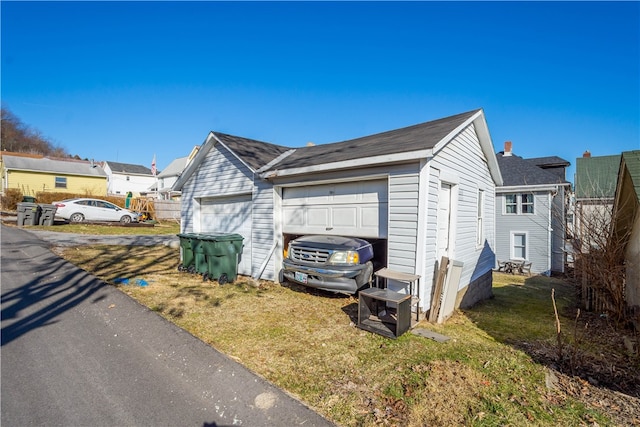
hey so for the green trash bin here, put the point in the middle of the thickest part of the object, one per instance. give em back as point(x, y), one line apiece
point(28, 199)
point(47, 214)
point(222, 251)
point(200, 259)
point(188, 257)
point(28, 214)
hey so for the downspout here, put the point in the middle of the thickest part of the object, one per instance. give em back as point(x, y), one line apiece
point(550, 230)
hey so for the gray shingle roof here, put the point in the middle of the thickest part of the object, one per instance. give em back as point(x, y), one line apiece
point(128, 168)
point(254, 153)
point(174, 168)
point(517, 171)
point(67, 167)
point(413, 138)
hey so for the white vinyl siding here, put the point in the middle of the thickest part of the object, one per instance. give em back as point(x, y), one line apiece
point(403, 219)
point(463, 159)
point(220, 175)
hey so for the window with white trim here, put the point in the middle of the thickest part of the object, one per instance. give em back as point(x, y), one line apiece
point(520, 203)
point(518, 245)
point(61, 182)
point(527, 203)
point(480, 227)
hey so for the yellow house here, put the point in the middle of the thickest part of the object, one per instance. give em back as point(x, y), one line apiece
point(33, 174)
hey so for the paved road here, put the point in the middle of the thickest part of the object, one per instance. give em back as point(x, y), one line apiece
point(77, 352)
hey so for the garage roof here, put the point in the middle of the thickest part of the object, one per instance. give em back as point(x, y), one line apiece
point(408, 143)
point(413, 138)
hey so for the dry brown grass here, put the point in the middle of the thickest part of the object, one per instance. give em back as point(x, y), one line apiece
point(307, 343)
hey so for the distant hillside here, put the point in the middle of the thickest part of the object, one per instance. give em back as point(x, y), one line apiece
point(21, 138)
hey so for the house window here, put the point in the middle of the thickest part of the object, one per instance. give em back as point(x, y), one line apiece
point(519, 245)
point(527, 203)
point(518, 203)
point(511, 203)
point(61, 182)
point(479, 230)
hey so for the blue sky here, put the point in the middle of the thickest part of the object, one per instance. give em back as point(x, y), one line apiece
point(122, 81)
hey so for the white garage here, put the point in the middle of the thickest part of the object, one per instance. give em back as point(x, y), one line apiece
point(357, 208)
point(231, 214)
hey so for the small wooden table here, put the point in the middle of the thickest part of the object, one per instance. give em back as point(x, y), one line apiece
point(384, 312)
point(413, 280)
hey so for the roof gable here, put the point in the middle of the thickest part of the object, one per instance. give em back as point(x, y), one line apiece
point(596, 177)
point(252, 153)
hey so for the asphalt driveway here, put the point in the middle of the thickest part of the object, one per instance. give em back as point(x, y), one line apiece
point(77, 352)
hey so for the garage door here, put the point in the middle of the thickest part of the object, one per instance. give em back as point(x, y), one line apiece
point(351, 209)
point(229, 215)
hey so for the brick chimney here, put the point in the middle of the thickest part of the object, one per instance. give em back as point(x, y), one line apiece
point(507, 148)
point(586, 154)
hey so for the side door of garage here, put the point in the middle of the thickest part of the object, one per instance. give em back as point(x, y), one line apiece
point(229, 214)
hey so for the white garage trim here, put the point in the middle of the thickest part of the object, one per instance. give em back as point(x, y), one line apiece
point(230, 214)
point(354, 208)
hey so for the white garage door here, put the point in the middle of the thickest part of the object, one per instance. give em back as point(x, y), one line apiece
point(230, 215)
point(351, 209)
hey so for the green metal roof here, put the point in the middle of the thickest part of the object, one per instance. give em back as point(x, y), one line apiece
point(596, 177)
point(632, 163)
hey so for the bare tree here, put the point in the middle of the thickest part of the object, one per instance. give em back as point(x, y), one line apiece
point(599, 259)
point(17, 137)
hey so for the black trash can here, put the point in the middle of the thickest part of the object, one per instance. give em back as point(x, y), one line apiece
point(47, 214)
point(28, 214)
point(222, 251)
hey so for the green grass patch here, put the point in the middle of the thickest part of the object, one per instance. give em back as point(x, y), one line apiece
point(306, 342)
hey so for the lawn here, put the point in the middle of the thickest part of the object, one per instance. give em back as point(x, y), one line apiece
point(496, 369)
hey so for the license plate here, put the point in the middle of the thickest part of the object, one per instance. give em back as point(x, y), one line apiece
point(301, 277)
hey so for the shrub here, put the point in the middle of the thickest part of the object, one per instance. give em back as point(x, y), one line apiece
point(10, 199)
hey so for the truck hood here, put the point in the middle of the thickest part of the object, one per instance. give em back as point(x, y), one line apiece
point(339, 243)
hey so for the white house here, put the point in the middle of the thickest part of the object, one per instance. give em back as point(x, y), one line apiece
point(169, 175)
point(418, 193)
point(123, 178)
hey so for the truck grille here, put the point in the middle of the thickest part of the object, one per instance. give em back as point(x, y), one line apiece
point(316, 256)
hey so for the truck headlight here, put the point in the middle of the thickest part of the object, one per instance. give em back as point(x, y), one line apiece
point(345, 257)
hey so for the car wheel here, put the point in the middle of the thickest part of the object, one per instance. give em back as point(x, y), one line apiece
point(125, 219)
point(76, 217)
